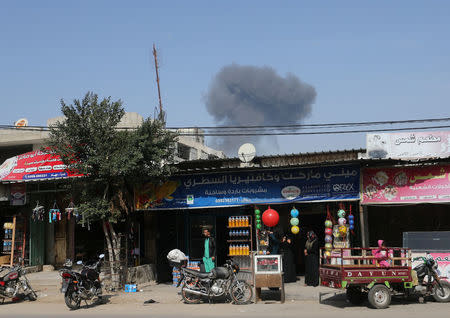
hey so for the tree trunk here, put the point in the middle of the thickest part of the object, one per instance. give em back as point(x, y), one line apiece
point(114, 256)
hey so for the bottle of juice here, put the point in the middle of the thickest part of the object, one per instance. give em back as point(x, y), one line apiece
point(229, 221)
point(229, 249)
point(246, 221)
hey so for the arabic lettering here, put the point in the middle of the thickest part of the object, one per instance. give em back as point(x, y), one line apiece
point(429, 138)
point(406, 140)
point(429, 176)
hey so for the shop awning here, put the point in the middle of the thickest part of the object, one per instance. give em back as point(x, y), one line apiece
point(34, 166)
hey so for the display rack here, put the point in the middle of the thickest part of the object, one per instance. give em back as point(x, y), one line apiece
point(240, 244)
point(14, 242)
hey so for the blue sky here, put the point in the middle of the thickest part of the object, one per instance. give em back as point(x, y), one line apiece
point(377, 60)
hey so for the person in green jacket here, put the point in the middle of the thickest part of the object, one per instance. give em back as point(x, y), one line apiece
point(209, 251)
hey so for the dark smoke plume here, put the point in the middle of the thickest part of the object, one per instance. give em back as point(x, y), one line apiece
point(249, 95)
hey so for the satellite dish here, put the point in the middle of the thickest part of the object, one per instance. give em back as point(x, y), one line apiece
point(22, 122)
point(247, 152)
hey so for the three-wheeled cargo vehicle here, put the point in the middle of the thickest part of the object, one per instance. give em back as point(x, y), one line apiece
point(364, 276)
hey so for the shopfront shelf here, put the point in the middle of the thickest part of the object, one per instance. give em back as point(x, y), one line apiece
point(231, 241)
point(238, 255)
point(7, 240)
point(238, 227)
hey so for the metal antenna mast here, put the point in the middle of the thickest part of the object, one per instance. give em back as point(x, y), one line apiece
point(161, 112)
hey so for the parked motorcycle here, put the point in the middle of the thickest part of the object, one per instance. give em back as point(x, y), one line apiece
point(14, 284)
point(84, 285)
point(220, 282)
point(433, 285)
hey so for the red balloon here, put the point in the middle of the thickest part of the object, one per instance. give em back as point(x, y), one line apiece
point(328, 231)
point(270, 217)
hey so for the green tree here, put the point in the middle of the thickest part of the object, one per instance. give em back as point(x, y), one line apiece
point(112, 161)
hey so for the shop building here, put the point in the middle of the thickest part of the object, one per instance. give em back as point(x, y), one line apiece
point(406, 192)
point(208, 193)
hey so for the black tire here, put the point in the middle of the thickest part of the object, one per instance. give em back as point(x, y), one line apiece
point(71, 299)
point(442, 295)
point(379, 297)
point(31, 294)
point(241, 293)
point(189, 298)
point(355, 296)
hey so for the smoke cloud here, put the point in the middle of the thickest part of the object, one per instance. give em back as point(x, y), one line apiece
point(249, 95)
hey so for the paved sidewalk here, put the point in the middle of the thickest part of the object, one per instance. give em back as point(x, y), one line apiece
point(47, 285)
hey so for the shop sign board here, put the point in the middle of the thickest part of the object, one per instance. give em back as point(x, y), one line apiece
point(408, 145)
point(406, 185)
point(34, 165)
point(18, 194)
point(252, 187)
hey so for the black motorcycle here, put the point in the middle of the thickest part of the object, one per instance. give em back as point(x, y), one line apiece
point(220, 282)
point(15, 284)
point(433, 285)
point(84, 285)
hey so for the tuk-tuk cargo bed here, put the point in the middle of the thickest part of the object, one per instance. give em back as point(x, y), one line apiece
point(348, 267)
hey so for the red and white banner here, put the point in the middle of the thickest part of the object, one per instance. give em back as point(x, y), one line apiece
point(34, 165)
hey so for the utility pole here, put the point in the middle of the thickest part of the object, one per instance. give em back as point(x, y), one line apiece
point(161, 113)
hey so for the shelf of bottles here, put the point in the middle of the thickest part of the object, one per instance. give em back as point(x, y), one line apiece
point(7, 237)
point(239, 235)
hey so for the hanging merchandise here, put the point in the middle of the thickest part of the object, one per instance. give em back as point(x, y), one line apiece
point(270, 217)
point(70, 210)
point(294, 213)
point(341, 230)
point(328, 229)
point(342, 221)
point(38, 212)
point(341, 213)
point(351, 220)
point(258, 218)
point(294, 221)
point(328, 246)
point(54, 213)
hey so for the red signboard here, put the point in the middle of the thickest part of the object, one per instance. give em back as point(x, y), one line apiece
point(34, 165)
point(406, 185)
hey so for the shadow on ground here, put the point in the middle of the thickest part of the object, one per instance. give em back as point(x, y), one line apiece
point(339, 300)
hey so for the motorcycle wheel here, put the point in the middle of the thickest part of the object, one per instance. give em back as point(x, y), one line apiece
point(442, 295)
point(189, 298)
point(71, 299)
point(241, 293)
point(31, 296)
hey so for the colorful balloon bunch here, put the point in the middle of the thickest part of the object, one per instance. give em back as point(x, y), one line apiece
point(328, 233)
point(294, 221)
point(342, 221)
point(258, 218)
point(351, 220)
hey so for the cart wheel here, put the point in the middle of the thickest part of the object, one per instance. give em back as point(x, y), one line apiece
point(379, 297)
point(355, 296)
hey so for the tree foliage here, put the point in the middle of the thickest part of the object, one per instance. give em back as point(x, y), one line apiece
point(112, 160)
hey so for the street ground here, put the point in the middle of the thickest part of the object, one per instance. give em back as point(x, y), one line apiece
point(301, 301)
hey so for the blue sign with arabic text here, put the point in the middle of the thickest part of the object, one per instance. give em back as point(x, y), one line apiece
point(252, 187)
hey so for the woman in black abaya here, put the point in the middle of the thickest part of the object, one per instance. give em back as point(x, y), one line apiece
point(312, 260)
point(290, 275)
